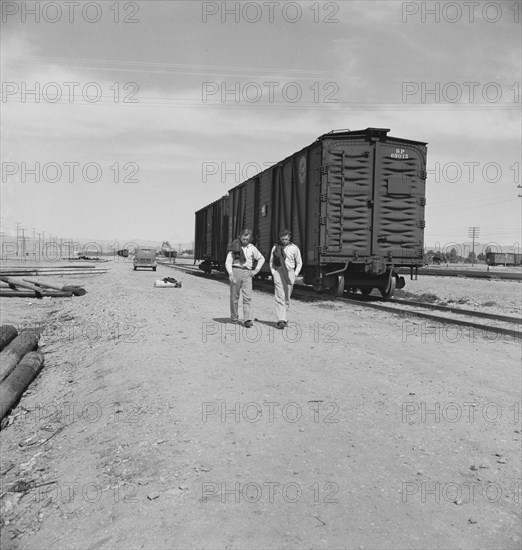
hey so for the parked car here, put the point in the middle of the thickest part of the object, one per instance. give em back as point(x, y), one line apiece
point(145, 257)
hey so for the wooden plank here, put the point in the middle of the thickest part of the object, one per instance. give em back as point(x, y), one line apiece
point(15, 283)
point(49, 273)
point(10, 293)
point(75, 289)
point(47, 265)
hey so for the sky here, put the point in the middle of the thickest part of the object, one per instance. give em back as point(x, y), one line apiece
point(142, 113)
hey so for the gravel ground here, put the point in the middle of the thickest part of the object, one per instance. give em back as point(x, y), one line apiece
point(157, 424)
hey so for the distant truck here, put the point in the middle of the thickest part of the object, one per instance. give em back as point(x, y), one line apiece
point(145, 257)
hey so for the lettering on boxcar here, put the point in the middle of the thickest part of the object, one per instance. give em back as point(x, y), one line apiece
point(399, 154)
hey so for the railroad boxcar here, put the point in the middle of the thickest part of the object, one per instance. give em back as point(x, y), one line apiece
point(354, 202)
point(211, 235)
point(502, 258)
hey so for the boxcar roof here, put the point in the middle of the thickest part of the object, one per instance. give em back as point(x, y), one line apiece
point(213, 202)
point(336, 134)
point(373, 132)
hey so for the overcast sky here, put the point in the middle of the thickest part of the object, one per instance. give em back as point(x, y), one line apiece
point(171, 136)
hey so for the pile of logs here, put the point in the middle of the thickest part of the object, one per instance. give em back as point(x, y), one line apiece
point(26, 288)
point(20, 362)
point(31, 271)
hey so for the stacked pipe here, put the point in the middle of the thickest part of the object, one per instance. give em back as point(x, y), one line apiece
point(85, 269)
point(20, 363)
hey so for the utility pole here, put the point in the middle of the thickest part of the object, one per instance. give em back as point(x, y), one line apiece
point(17, 226)
point(39, 247)
point(23, 244)
point(473, 233)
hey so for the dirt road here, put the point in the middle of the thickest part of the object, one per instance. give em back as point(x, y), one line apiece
point(157, 424)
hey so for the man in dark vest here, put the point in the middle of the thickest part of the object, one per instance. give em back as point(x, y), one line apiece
point(240, 269)
point(285, 265)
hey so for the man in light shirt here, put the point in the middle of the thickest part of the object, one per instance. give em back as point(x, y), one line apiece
point(285, 265)
point(240, 269)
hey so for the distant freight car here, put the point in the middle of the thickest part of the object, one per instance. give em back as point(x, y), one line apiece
point(497, 258)
point(211, 236)
point(354, 202)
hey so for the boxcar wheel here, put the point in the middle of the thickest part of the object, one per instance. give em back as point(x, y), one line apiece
point(339, 287)
point(390, 289)
point(366, 291)
point(135, 268)
point(153, 269)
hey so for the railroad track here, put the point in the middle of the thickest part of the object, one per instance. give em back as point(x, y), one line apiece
point(503, 324)
point(467, 274)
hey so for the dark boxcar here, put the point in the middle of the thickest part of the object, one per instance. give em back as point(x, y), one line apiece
point(354, 201)
point(211, 236)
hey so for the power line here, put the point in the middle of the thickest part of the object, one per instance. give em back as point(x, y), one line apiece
point(133, 64)
point(197, 103)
